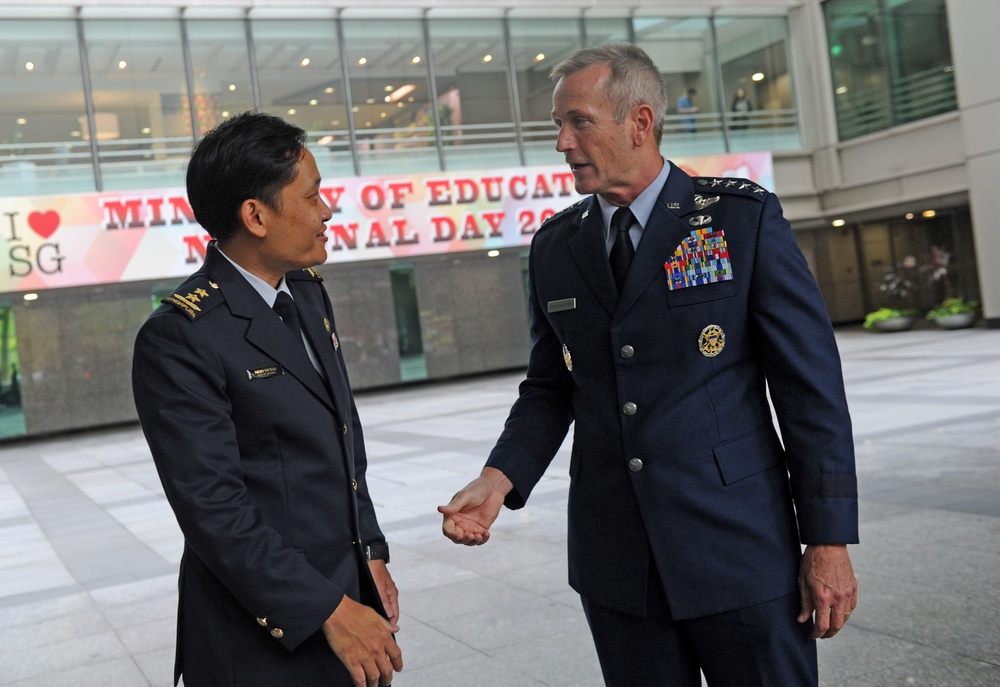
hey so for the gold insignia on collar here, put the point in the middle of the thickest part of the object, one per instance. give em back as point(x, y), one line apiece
point(213, 284)
point(568, 358)
point(326, 323)
point(711, 341)
point(702, 202)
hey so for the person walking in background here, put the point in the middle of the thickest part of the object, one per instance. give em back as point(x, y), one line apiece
point(662, 307)
point(741, 109)
point(251, 422)
point(685, 105)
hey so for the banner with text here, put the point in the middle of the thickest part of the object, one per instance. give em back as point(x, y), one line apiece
point(100, 238)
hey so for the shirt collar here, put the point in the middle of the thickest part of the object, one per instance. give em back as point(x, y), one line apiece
point(642, 206)
point(266, 291)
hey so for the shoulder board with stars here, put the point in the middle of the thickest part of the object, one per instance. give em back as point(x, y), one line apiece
point(196, 297)
point(734, 185)
point(563, 214)
point(308, 274)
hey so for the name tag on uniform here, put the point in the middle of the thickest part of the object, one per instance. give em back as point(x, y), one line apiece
point(265, 372)
point(564, 304)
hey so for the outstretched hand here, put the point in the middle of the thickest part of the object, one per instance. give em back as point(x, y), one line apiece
point(471, 512)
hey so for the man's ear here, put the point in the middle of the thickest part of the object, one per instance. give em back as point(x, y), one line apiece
point(253, 213)
point(643, 120)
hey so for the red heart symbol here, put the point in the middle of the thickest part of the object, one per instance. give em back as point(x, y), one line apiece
point(44, 223)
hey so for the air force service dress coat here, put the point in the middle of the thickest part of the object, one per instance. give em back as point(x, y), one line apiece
point(675, 455)
point(263, 462)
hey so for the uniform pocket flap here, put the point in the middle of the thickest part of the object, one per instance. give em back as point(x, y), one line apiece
point(748, 455)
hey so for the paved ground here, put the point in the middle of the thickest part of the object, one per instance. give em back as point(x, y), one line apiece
point(89, 548)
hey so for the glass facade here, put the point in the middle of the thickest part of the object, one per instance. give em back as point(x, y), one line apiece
point(116, 104)
point(891, 62)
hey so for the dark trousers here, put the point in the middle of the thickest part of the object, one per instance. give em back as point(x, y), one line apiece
point(758, 646)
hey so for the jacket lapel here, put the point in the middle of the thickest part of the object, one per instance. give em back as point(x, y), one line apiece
point(315, 324)
point(265, 330)
point(666, 228)
point(591, 256)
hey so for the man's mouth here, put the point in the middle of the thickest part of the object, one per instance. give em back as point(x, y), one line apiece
point(577, 166)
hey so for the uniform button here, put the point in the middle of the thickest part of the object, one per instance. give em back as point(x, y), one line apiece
point(635, 465)
point(277, 633)
point(354, 483)
point(262, 622)
point(627, 351)
point(629, 408)
point(344, 429)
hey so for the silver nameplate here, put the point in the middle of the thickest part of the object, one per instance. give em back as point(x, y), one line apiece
point(564, 304)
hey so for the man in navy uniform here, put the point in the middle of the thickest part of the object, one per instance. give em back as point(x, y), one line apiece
point(662, 308)
point(251, 422)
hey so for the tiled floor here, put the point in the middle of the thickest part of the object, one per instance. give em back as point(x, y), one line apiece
point(89, 548)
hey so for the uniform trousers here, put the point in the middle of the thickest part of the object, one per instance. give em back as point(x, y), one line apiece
point(757, 646)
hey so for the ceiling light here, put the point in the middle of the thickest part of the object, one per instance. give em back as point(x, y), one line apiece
point(328, 89)
point(909, 215)
point(22, 120)
point(539, 57)
point(304, 62)
point(232, 87)
point(839, 222)
point(493, 253)
point(122, 64)
point(291, 111)
point(29, 66)
point(841, 90)
point(400, 92)
point(389, 88)
point(928, 213)
point(759, 76)
point(487, 58)
point(416, 59)
point(314, 102)
point(31, 296)
point(363, 60)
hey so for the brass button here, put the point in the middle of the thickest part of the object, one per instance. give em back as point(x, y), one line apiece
point(630, 408)
point(344, 429)
point(262, 622)
point(277, 633)
point(635, 465)
point(354, 483)
point(626, 351)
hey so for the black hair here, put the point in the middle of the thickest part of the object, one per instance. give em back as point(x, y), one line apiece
point(251, 155)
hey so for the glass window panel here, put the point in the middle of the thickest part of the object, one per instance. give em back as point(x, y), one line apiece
point(11, 405)
point(221, 65)
point(539, 45)
point(41, 109)
point(473, 85)
point(923, 77)
point(682, 49)
point(605, 30)
point(760, 104)
point(861, 95)
point(302, 80)
point(142, 114)
point(393, 115)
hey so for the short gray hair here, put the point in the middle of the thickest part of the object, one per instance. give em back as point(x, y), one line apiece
point(634, 79)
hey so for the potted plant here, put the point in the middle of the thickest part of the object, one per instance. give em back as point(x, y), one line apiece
point(890, 320)
point(897, 289)
point(954, 313)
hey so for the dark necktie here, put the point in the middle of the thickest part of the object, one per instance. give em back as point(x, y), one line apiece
point(622, 250)
point(285, 307)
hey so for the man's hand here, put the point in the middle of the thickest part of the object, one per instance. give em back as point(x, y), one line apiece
point(827, 586)
point(467, 518)
point(386, 589)
point(363, 641)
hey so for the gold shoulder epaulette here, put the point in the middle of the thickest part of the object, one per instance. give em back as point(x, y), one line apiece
point(196, 297)
point(734, 185)
point(308, 274)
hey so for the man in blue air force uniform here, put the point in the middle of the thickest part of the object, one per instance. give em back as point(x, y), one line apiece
point(686, 511)
point(252, 425)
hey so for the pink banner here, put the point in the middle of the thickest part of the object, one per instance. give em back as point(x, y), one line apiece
point(100, 238)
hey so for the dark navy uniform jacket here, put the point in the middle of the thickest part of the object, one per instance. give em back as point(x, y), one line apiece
point(263, 463)
point(675, 454)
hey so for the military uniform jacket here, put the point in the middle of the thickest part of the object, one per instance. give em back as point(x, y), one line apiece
point(263, 463)
point(675, 454)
